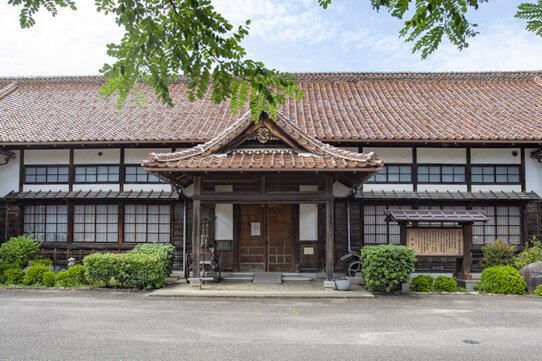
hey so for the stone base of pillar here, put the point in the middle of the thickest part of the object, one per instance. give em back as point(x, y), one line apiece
point(465, 283)
point(329, 285)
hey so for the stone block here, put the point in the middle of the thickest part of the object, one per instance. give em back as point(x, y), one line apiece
point(329, 285)
point(533, 275)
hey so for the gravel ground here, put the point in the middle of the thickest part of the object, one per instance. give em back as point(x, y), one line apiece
point(110, 325)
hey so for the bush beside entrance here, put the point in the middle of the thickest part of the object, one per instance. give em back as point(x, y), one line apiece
point(386, 267)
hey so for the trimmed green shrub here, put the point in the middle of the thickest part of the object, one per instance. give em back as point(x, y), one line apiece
point(43, 262)
point(76, 274)
point(385, 267)
point(48, 279)
point(4, 267)
point(20, 250)
point(538, 290)
point(498, 254)
point(13, 276)
point(502, 279)
point(131, 270)
point(34, 275)
point(444, 284)
point(62, 280)
point(421, 283)
point(165, 252)
point(530, 255)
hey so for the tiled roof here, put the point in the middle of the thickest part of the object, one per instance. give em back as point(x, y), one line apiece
point(414, 215)
point(453, 196)
point(310, 153)
point(489, 106)
point(91, 195)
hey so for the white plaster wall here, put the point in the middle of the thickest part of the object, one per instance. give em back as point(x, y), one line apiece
point(442, 188)
point(96, 187)
point(442, 155)
point(46, 156)
point(497, 188)
point(340, 190)
point(224, 222)
point(135, 156)
point(388, 187)
point(9, 175)
point(147, 187)
point(391, 154)
point(308, 222)
point(533, 173)
point(46, 187)
point(495, 156)
point(90, 156)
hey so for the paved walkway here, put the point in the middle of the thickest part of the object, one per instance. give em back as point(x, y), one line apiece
point(243, 289)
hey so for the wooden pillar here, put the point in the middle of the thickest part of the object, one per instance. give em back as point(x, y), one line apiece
point(403, 233)
point(196, 227)
point(463, 266)
point(330, 230)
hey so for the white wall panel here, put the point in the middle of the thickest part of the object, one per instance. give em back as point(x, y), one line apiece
point(47, 156)
point(308, 222)
point(96, 187)
point(136, 155)
point(496, 188)
point(224, 222)
point(442, 155)
point(494, 156)
point(388, 187)
point(533, 173)
point(147, 187)
point(90, 156)
point(391, 154)
point(9, 175)
point(442, 188)
point(46, 187)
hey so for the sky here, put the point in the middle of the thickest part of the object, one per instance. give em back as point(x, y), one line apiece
point(288, 35)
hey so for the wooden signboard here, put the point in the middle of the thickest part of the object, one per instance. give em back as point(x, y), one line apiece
point(436, 241)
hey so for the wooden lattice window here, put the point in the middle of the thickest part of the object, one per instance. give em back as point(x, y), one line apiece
point(46, 174)
point(147, 223)
point(50, 221)
point(95, 223)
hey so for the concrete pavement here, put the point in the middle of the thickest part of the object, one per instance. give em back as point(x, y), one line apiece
point(110, 325)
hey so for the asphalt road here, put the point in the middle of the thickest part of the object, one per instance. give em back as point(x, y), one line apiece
point(101, 325)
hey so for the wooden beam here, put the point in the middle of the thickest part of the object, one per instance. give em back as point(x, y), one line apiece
point(463, 266)
point(196, 227)
point(258, 198)
point(330, 231)
point(403, 233)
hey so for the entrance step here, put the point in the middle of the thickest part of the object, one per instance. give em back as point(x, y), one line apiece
point(267, 278)
point(294, 276)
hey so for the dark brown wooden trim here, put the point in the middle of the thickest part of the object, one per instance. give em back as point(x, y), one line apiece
point(522, 170)
point(21, 170)
point(236, 228)
point(71, 217)
point(196, 225)
point(330, 231)
point(468, 169)
point(237, 198)
point(71, 175)
point(414, 175)
point(121, 224)
point(122, 170)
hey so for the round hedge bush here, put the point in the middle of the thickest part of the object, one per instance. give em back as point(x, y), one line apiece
point(386, 267)
point(421, 283)
point(502, 279)
point(48, 279)
point(34, 275)
point(444, 284)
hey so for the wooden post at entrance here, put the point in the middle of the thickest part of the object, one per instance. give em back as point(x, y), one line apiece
point(463, 265)
point(330, 231)
point(403, 233)
point(196, 227)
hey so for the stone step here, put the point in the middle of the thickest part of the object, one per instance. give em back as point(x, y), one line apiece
point(296, 278)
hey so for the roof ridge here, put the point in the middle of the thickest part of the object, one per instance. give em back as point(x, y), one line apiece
point(7, 90)
point(530, 75)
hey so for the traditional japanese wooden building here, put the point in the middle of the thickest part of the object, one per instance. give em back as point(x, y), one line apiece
point(291, 194)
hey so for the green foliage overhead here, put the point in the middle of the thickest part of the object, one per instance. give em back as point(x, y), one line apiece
point(421, 283)
point(386, 267)
point(502, 279)
point(498, 253)
point(165, 38)
point(20, 250)
point(444, 284)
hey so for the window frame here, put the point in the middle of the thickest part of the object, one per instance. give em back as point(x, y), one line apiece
point(138, 166)
point(95, 223)
point(440, 166)
point(386, 172)
point(97, 166)
point(46, 167)
point(494, 174)
point(45, 223)
point(135, 223)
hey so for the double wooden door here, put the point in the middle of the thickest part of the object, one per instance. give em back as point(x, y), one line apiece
point(267, 238)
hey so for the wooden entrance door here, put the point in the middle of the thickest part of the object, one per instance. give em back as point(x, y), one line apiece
point(267, 238)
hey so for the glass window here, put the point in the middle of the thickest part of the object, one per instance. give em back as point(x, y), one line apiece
point(375, 229)
point(97, 174)
point(46, 174)
point(49, 221)
point(441, 174)
point(504, 224)
point(136, 174)
point(495, 174)
point(393, 174)
point(95, 223)
point(147, 223)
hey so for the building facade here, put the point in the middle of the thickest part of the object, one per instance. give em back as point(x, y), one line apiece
point(291, 194)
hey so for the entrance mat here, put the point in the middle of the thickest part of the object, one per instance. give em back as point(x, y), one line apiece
point(267, 278)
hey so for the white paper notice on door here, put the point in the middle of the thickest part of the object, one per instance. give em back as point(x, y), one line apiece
point(255, 229)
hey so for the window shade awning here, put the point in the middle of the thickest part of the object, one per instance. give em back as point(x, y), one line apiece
point(419, 215)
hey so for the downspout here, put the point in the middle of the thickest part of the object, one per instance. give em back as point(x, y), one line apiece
point(348, 223)
point(184, 237)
